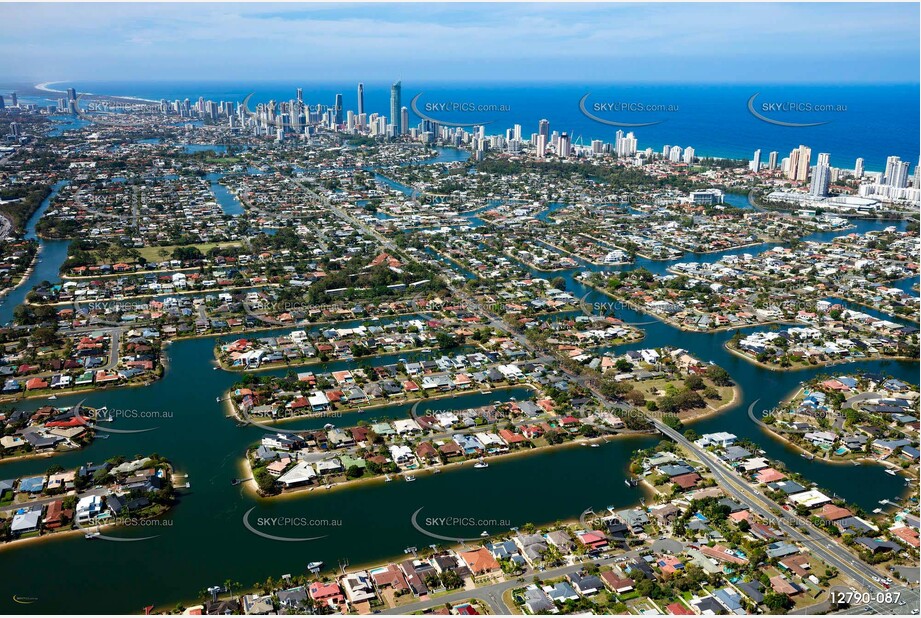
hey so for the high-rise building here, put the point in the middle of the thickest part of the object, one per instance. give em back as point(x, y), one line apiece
point(2, 102)
point(543, 128)
point(338, 108)
point(396, 91)
point(824, 159)
point(541, 145)
point(404, 119)
point(821, 176)
point(755, 164)
point(688, 156)
point(300, 96)
point(625, 145)
point(665, 151)
point(71, 94)
point(896, 174)
point(800, 159)
point(14, 99)
point(858, 168)
point(361, 99)
point(674, 154)
point(772, 160)
point(597, 146)
point(563, 149)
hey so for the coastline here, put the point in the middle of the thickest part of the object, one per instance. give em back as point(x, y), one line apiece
point(800, 367)
point(430, 470)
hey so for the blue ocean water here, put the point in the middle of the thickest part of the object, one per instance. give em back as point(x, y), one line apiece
point(869, 121)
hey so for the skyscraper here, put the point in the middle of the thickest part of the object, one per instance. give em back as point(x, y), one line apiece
point(799, 163)
point(821, 176)
point(404, 119)
point(541, 145)
point(361, 98)
point(564, 145)
point(755, 164)
point(543, 128)
point(896, 174)
point(858, 168)
point(772, 160)
point(338, 109)
point(14, 99)
point(396, 91)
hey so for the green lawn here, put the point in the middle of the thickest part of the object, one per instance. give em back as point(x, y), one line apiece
point(153, 254)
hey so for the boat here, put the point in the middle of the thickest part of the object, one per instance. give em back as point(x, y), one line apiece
point(387, 478)
point(594, 445)
point(103, 436)
point(410, 478)
point(436, 471)
point(91, 535)
point(484, 533)
point(877, 510)
point(217, 399)
point(891, 471)
point(329, 426)
point(481, 464)
point(235, 482)
point(53, 397)
point(314, 566)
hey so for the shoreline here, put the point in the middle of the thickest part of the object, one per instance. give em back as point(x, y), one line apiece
point(235, 413)
point(820, 365)
point(430, 470)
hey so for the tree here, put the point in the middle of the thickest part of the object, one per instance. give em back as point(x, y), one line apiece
point(777, 602)
point(719, 376)
point(558, 283)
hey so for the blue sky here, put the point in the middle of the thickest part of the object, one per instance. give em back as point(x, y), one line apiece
point(718, 43)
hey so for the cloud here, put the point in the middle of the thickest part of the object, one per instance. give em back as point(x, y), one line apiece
point(545, 42)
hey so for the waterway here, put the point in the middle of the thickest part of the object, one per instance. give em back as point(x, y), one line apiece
point(207, 542)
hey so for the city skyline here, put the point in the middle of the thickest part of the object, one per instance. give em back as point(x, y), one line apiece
point(677, 42)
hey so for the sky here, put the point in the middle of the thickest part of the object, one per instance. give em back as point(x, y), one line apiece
point(657, 42)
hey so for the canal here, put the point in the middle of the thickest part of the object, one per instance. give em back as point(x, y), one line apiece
point(207, 542)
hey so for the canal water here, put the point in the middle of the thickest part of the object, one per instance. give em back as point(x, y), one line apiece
point(208, 543)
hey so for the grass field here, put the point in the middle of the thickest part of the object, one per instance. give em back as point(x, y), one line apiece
point(153, 254)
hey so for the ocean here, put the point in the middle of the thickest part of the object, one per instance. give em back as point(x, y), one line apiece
point(869, 121)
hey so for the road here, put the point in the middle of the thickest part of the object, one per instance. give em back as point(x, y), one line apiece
point(492, 594)
point(818, 543)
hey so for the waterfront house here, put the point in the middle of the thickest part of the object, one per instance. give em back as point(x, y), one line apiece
point(293, 599)
point(358, 587)
point(257, 605)
point(479, 561)
point(390, 576)
point(327, 594)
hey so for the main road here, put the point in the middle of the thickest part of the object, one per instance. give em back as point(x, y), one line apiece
point(819, 543)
